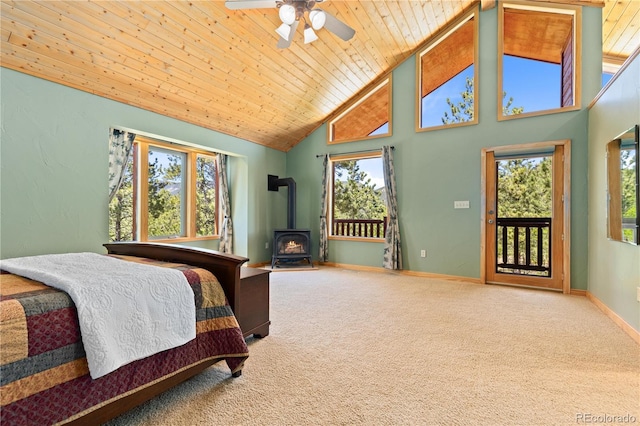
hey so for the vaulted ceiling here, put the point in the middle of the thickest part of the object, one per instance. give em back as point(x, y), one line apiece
point(202, 63)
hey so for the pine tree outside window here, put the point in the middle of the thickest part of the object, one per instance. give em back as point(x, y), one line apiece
point(169, 193)
point(446, 71)
point(358, 209)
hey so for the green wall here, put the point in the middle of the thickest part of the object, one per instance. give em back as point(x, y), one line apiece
point(614, 267)
point(54, 157)
point(54, 163)
point(53, 168)
point(433, 169)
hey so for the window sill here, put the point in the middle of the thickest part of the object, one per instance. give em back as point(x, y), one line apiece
point(538, 113)
point(446, 126)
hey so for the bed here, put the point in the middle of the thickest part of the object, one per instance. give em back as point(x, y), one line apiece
point(44, 376)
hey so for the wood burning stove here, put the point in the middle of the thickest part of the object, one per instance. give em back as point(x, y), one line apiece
point(291, 246)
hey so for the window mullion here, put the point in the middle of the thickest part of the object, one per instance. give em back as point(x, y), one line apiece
point(191, 194)
point(143, 199)
point(218, 219)
point(135, 206)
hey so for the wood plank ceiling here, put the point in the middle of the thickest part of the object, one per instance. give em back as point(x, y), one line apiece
point(202, 63)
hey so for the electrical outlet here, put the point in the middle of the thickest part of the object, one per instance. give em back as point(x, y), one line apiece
point(266, 245)
point(423, 253)
point(461, 204)
point(638, 293)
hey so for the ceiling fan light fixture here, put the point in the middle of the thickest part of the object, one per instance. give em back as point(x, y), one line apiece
point(287, 14)
point(284, 31)
point(317, 18)
point(293, 12)
point(309, 34)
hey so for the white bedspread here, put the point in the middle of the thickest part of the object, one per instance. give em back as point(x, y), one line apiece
point(127, 311)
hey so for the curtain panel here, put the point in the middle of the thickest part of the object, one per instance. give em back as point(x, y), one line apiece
point(392, 248)
point(324, 203)
point(226, 229)
point(120, 145)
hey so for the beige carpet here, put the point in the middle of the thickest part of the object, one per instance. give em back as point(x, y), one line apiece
point(363, 348)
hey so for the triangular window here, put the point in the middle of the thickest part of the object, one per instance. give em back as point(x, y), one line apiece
point(446, 75)
point(368, 117)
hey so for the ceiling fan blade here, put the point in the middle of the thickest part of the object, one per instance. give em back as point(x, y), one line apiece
point(282, 43)
point(250, 4)
point(338, 27)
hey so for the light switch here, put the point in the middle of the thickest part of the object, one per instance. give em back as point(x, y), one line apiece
point(461, 204)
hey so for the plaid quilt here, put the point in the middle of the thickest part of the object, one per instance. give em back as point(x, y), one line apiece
point(44, 377)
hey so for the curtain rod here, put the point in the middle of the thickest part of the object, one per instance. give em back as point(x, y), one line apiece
point(354, 152)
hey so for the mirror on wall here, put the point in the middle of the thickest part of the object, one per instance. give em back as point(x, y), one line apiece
point(623, 200)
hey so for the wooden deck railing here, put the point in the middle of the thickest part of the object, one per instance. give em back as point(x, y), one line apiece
point(629, 229)
point(523, 245)
point(365, 228)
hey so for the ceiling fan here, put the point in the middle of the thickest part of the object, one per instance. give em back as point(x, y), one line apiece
point(291, 12)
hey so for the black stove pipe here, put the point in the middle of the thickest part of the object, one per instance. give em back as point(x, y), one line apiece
point(273, 184)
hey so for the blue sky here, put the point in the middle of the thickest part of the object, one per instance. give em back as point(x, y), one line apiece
point(435, 104)
point(606, 78)
point(373, 168)
point(533, 85)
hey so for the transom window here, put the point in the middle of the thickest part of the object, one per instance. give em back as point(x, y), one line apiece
point(447, 76)
point(369, 117)
point(358, 197)
point(539, 59)
point(169, 192)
